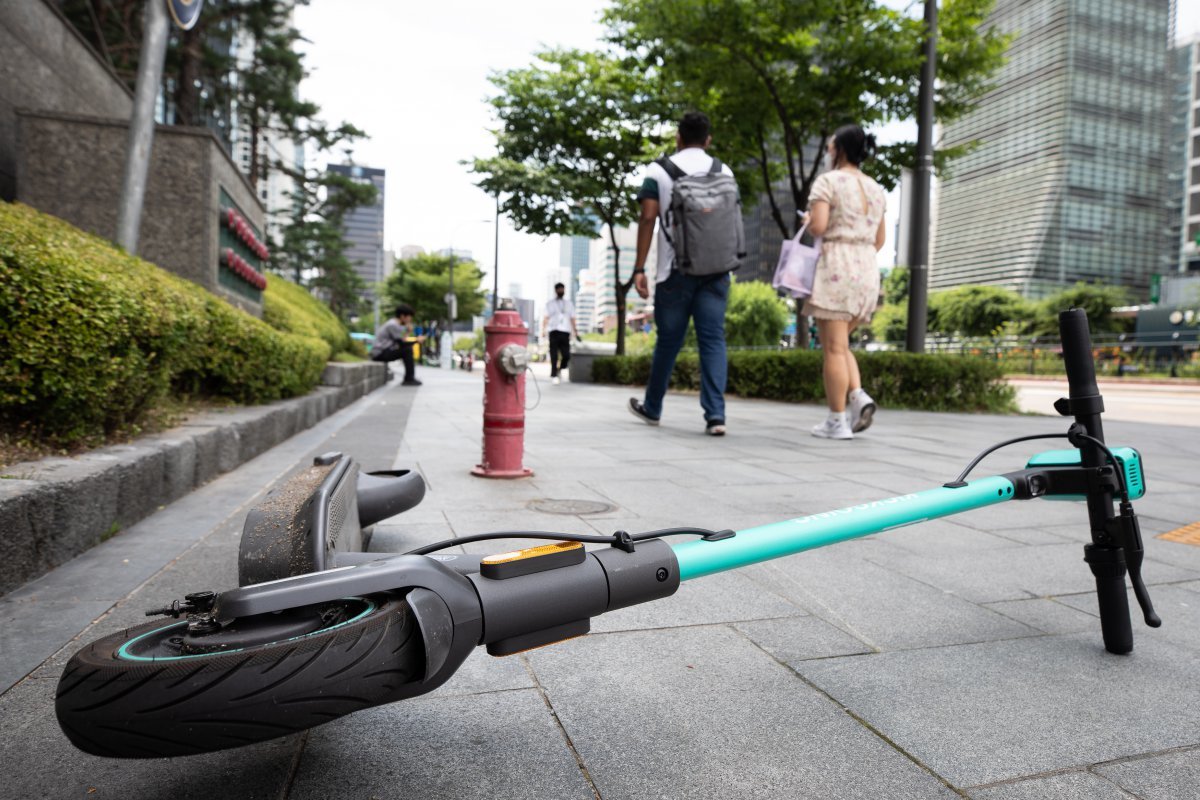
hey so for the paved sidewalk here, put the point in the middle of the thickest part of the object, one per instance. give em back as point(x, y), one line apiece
point(958, 657)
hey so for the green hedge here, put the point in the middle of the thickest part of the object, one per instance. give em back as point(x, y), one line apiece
point(288, 307)
point(91, 337)
point(895, 380)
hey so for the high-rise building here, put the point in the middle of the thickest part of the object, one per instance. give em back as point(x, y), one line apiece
point(363, 226)
point(411, 251)
point(1184, 169)
point(585, 302)
point(1068, 178)
point(601, 259)
point(574, 253)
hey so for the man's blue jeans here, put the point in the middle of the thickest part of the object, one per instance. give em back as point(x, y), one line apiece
point(677, 299)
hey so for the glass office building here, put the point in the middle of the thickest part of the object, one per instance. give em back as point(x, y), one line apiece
point(1067, 181)
point(363, 227)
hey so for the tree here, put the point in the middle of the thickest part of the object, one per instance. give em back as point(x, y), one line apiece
point(264, 90)
point(1096, 299)
point(755, 315)
point(423, 281)
point(977, 310)
point(895, 286)
point(777, 77)
point(574, 129)
point(313, 245)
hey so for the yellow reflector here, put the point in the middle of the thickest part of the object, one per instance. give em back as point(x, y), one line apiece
point(531, 552)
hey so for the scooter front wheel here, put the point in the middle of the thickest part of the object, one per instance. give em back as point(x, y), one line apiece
point(145, 693)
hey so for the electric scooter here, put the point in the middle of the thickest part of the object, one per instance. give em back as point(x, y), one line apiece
point(319, 629)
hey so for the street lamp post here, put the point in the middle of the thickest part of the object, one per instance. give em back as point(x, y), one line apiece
point(141, 124)
point(496, 259)
point(918, 255)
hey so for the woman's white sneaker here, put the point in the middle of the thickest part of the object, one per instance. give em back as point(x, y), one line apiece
point(862, 411)
point(834, 427)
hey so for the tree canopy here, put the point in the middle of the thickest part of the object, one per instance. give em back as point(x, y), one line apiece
point(777, 77)
point(575, 128)
point(423, 281)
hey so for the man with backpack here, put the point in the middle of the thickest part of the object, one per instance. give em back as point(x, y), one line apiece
point(693, 198)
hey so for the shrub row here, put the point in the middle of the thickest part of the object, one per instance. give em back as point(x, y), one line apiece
point(895, 380)
point(91, 337)
point(289, 307)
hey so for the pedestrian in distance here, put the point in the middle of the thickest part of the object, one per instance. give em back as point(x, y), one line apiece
point(693, 199)
point(845, 209)
point(395, 341)
point(559, 322)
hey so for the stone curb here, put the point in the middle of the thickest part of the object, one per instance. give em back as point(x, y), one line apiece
point(53, 509)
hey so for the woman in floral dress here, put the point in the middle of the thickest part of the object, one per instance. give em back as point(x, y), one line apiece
point(846, 209)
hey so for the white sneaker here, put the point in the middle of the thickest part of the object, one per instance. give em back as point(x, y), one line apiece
point(862, 411)
point(834, 427)
point(554, 380)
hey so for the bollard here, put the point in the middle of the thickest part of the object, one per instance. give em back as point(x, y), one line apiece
point(504, 396)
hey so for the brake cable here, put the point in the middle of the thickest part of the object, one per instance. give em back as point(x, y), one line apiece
point(620, 539)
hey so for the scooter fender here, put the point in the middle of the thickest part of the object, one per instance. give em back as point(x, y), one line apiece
point(444, 603)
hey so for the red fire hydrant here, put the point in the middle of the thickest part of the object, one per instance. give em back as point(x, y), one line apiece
point(504, 396)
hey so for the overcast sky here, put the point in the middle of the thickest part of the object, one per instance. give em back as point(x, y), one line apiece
point(415, 77)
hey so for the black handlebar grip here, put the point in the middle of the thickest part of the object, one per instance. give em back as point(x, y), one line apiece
point(1077, 353)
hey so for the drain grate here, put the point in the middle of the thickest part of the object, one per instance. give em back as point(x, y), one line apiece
point(1188, 534)
point(570, 507)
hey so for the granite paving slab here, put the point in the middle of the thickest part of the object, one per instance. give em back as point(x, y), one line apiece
point(994, 711)
point(1067, 786)
point(1013, 573)
point(502, 744)
point(802, 639)
point(1170, 776)
point(886, 610)
point(703, 712)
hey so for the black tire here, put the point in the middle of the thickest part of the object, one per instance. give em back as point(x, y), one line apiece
point(110, 706)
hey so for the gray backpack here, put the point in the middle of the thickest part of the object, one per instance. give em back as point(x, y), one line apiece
point(705, 220)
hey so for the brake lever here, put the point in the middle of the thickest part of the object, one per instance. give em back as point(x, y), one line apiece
point(1131, 535)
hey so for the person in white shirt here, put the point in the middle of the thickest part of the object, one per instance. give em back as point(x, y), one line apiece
point(560, 323)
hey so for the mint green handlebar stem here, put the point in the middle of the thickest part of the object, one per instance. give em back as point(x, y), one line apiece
point(699, 558)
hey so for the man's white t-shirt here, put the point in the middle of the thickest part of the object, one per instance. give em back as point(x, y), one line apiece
point(693, 161)
point(560, 313)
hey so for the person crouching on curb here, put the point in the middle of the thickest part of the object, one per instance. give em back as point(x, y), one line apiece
point(846, 209)
point(394, 341)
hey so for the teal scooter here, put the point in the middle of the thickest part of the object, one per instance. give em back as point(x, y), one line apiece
point(319, 629)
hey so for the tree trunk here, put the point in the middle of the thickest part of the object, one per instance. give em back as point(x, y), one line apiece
point(191, 61)
point(618, 290)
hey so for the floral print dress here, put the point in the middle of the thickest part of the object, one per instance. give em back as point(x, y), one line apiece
point(846, 284)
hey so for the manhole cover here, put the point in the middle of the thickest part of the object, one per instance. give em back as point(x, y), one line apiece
point(570, 507)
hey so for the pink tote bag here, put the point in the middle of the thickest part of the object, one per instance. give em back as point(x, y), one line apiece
point(797, 265)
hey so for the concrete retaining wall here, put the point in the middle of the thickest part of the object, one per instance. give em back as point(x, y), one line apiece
point(45, 64)
point(53, 509)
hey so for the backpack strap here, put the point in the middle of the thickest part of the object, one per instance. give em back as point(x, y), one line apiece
point(716, 166)
point(671, 167)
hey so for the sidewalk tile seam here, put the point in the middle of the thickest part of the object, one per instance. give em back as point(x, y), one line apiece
point(285, 791)
point(825, 613)
point(1089, 768)
point(850, 713)
point(541, 690)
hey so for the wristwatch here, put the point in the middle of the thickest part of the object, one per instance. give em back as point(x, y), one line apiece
point(639, 270)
